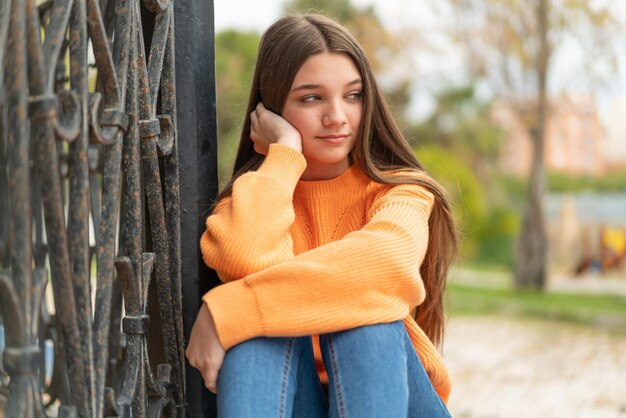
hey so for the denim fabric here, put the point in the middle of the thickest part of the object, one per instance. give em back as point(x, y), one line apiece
point(373, 372)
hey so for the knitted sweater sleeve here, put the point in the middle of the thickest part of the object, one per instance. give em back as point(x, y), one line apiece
point(243, 236)
point(369, 276)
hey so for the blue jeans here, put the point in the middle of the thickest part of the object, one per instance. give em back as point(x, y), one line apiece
point(373, 371)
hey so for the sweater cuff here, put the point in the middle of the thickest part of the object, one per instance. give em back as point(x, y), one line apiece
point(235, 312)
point(284, 163)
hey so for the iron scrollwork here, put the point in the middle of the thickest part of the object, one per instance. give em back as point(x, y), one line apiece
point(89, 201)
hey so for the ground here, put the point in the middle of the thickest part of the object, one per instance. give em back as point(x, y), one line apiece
point(517, 368)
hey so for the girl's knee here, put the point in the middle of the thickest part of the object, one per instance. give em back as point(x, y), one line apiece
point(364, 345)
point(266, 353)
point(262, 349)
point(367, 370)
point(259, 377)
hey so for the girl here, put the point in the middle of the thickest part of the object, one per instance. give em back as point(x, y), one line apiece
point(330, 239)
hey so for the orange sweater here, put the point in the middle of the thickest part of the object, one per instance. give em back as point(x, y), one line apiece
point(307, 258)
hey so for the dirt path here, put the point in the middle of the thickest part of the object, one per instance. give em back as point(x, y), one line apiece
point(503, 367)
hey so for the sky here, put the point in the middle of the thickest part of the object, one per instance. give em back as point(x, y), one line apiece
point(260, 14)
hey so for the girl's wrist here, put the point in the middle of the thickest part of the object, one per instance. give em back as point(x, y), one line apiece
point(291, 141)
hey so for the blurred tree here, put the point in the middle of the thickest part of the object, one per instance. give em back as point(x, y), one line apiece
point(513, 45)
point(462, 124)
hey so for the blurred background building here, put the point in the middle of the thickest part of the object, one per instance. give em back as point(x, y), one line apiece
point(578, 141)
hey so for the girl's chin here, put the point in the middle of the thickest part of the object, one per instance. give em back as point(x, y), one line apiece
point(328, 159)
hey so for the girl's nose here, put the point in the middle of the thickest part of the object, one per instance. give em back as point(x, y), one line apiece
point(334, 116)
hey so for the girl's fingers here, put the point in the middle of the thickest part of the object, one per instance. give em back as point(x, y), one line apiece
point(210, 380)
point(204, 351)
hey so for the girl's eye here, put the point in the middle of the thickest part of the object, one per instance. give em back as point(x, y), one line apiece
point(310, 98)
point(355, 95)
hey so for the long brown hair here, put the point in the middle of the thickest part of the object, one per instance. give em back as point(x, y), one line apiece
point(382, 152)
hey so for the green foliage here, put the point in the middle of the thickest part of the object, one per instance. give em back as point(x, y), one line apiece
point(464, 189)
point(496, 238)
point(235, 54)
point(564, 183)
point(599, 310)
point(516, 189)
point(235, 57)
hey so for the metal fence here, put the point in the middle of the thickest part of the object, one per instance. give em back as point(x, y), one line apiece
point(99, 197)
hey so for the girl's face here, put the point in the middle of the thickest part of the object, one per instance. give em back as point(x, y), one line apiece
point(325, 104)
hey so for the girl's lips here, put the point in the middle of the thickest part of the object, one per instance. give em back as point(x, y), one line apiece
point(333, 139)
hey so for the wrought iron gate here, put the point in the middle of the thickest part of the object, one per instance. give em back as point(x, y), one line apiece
point(107, 162)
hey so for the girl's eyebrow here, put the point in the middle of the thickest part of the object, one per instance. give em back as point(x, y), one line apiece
point(317, 86)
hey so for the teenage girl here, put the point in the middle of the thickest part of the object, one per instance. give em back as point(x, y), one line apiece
point(333, 245)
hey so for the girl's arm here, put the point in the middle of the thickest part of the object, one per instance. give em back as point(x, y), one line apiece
point(370, 276)
point(249, 231)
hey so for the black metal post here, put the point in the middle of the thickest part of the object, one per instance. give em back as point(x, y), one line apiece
point(197, 147)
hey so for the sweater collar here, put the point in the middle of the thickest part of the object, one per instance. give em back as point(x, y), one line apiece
point(349, 181)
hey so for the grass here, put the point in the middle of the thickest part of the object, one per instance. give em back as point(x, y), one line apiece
point(606, 311)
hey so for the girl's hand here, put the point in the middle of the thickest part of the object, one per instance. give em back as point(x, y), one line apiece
point(205, 351)
point(267, 128)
